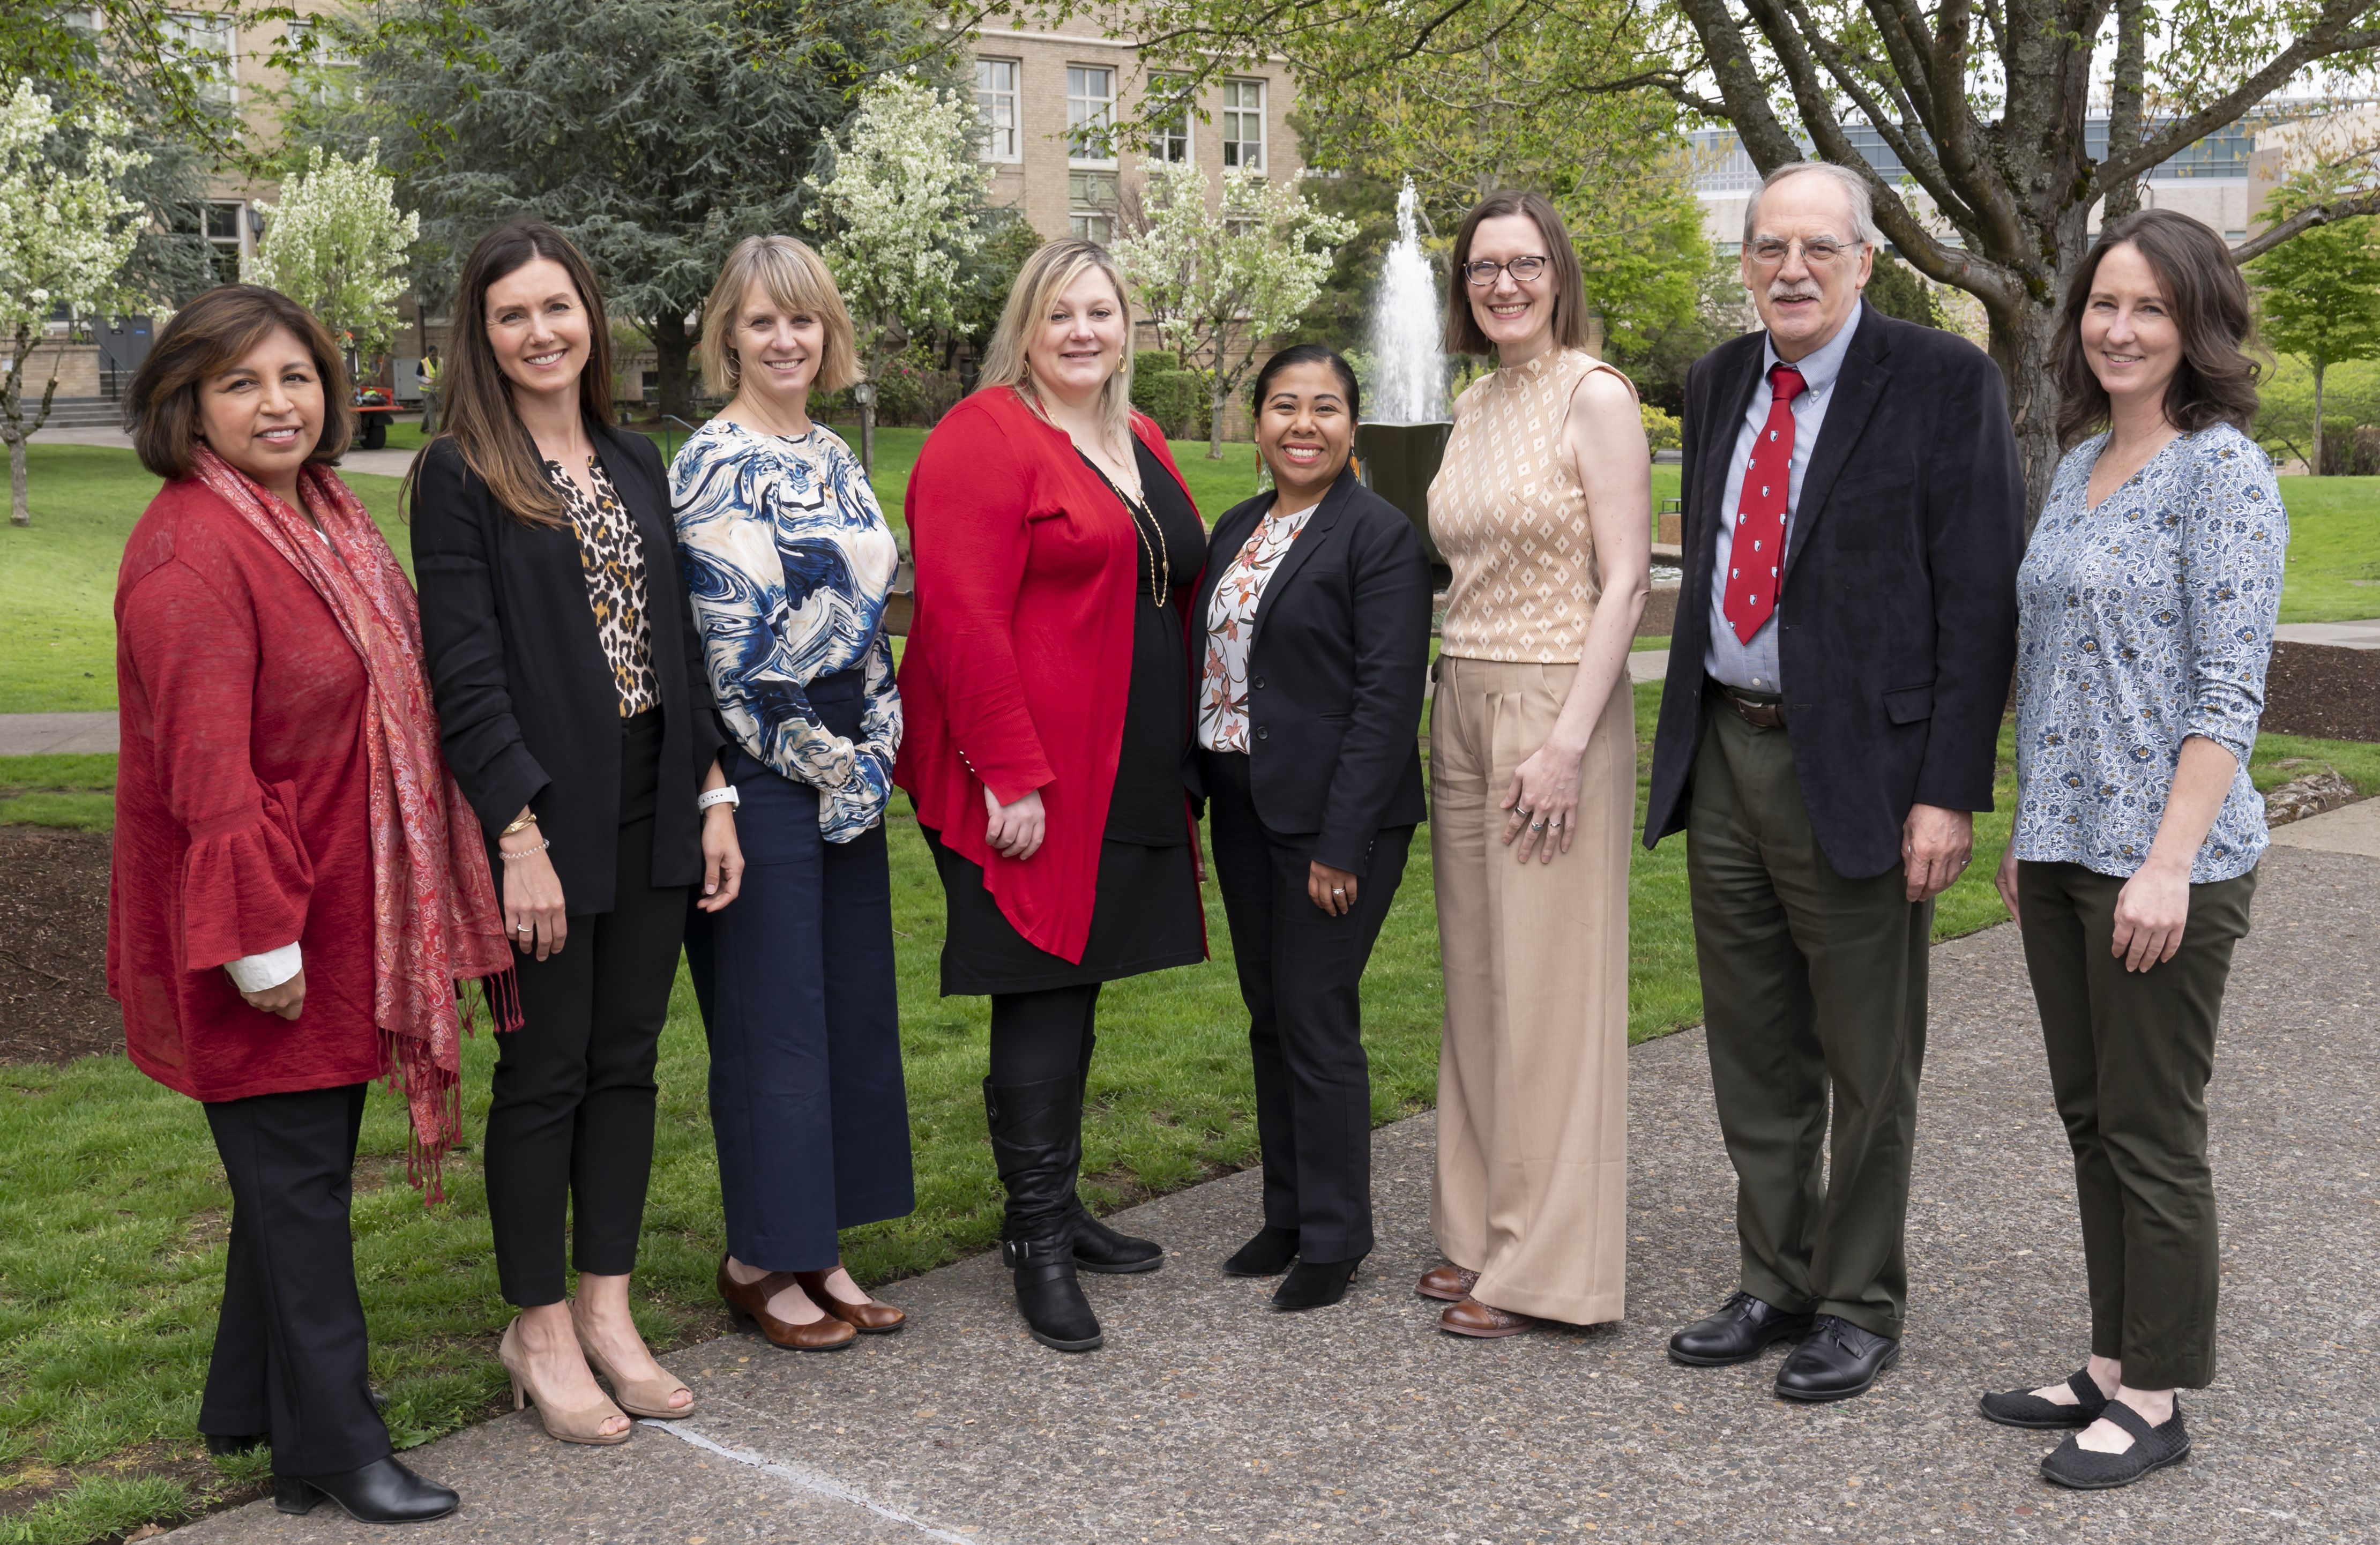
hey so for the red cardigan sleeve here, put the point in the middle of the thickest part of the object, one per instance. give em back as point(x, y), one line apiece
point(970, 510)
point(247, 880)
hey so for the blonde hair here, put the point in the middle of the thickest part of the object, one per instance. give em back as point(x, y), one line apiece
point(796, 279)
point(1045, 275)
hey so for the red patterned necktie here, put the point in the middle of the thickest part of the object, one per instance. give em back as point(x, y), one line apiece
point(1758, 555)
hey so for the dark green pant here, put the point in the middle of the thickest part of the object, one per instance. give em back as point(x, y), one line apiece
point(2130, 1054)
point(1811, 984)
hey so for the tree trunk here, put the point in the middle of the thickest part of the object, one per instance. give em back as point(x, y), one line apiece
point(672, 350)
point(19, 512)
point(2022, 347)
point(1217, 405)
point(2319, 468)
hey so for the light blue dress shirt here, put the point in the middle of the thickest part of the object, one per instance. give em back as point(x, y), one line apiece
point(1753, 667)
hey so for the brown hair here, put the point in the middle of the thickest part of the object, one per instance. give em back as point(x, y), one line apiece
point(2216, 381)
point(1463, 334)
point(477, 408)
point(796, 280)
point(210, 335)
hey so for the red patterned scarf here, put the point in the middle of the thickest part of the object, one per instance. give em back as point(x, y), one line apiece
point(435, 919)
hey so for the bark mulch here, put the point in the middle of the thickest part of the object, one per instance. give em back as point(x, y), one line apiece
point(54, 1002)
point(2323, 691)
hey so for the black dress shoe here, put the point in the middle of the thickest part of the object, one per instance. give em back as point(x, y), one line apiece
point(2072, 1465)
point(1100, 1249)
point(1835, 1361)
point(1743, 1328)
point(2025, 1408)
point(1313, 1285)
point(1266, 1255)
point(381, 1492)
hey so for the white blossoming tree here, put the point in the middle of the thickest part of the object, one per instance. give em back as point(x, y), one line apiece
point(901, 213)
point(337, 245)
point(1216, 282)
point(64, 232)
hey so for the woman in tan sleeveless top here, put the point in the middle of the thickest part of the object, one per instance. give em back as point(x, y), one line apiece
point(1542, 509)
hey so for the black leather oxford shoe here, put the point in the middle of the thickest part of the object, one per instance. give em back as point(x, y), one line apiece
point(1835, 1361)
point(381, 1492)
point(1743, 1328)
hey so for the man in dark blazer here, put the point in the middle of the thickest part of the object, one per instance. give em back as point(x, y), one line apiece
point(1854, 521)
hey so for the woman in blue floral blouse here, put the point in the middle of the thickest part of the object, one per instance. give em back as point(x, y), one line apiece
point(790, 561)
point(2147, 602)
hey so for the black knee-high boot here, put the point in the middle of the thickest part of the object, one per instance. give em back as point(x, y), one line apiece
point(1096, 1246)
point(1036, 1142)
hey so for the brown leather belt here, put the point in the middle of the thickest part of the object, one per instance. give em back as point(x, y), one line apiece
point(1761, 713)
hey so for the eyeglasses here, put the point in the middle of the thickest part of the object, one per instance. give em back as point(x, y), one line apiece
point(1818, 252)
point(1483, 273)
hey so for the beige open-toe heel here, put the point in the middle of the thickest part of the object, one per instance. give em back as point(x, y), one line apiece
point(584, 1424)
point(638, 1397)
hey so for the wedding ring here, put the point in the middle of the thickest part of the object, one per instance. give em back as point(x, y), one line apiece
point(1536, 826)
point(1337, 890)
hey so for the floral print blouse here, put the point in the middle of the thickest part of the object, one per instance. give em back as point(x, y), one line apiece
point(2141, 622)
point(789, 561)
point(613, 555)
point(1231, 628)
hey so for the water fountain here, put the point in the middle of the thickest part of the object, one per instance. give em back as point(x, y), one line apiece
point(1401, 442)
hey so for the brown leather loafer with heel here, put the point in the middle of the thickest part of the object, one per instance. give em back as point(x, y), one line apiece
point(1450, 1284)
point(750, 1301)
point(1471, 1317)
point(870, 1318)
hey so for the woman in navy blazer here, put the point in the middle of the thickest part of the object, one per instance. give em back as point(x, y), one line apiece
point(1313, 644)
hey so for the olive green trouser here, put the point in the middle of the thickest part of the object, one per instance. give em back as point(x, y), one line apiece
point(2129, 1055)
point(1813, 985)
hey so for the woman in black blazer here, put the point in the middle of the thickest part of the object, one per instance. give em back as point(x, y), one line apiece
point(576, 714)
point(1315, 618)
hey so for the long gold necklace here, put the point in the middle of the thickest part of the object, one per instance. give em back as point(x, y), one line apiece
point(1160, 560)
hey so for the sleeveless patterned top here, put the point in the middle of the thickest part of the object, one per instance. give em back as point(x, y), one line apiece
point(1510, 517)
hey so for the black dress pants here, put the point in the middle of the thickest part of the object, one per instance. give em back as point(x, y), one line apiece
point(571, 1123)
point(1300, 973)
point(290, 1355)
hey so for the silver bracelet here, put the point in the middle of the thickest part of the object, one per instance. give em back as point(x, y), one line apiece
point(543, 843)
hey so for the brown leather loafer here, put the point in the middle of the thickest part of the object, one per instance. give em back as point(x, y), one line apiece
point(870, 1319)
point(1471, 1317)
point(1449, 1283)
point(750, 1301)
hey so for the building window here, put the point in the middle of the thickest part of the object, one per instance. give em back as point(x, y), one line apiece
point(1171, 139)
point(995, 107)
point(1091, 197)
point(224, 221)
point(209, 46)
point(319, 65)
point(1090, 116)
point(1243, 126)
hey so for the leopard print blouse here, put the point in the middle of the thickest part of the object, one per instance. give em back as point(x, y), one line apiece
point(613, 555)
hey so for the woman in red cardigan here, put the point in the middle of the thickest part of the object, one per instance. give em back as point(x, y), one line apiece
point(298, 886)
point(1047, 691)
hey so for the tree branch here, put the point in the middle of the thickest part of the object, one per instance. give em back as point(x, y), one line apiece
point(2123, 194)
point(2305, 220)
point(1918, 157)
point(2326, 39)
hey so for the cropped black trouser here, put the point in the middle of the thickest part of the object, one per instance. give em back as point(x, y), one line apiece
point(1301, 970)
point(570, 1130)
point(290, 1352)
point(2131, 1053)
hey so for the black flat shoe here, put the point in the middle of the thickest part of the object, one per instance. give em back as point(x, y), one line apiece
point(381, 1492)
point(1100, 1249)
point(2025, 1408)
point(1835, 1361)
point(1741, 1329)
point(1314, 1284)
point(2072, 1466)
point(1266, 1255)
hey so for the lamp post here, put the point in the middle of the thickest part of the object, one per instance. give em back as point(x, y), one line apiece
point(864, 394)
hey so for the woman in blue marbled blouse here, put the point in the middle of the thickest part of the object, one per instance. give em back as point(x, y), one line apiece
point(790, 561)
point(2147, 602)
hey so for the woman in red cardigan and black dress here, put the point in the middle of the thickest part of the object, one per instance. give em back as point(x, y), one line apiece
point(1047, 690)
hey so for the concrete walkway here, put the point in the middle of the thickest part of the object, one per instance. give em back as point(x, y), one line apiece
point(35, 735)
point(2337, 635)
point(1209, 1418)
point(384, 464)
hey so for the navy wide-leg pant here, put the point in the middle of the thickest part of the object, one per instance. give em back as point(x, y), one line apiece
point(795, 982)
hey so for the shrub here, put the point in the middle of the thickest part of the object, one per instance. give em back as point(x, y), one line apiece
point(1662, 432)
point(1176, 398)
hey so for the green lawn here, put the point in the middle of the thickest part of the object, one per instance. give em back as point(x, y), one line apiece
point(2334, 549)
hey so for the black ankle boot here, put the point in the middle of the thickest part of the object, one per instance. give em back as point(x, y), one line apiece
point(1266, 1255)
point(1315, 1284)
point(1036, 1136)
point(1096, 1246)
point(381, 1492)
